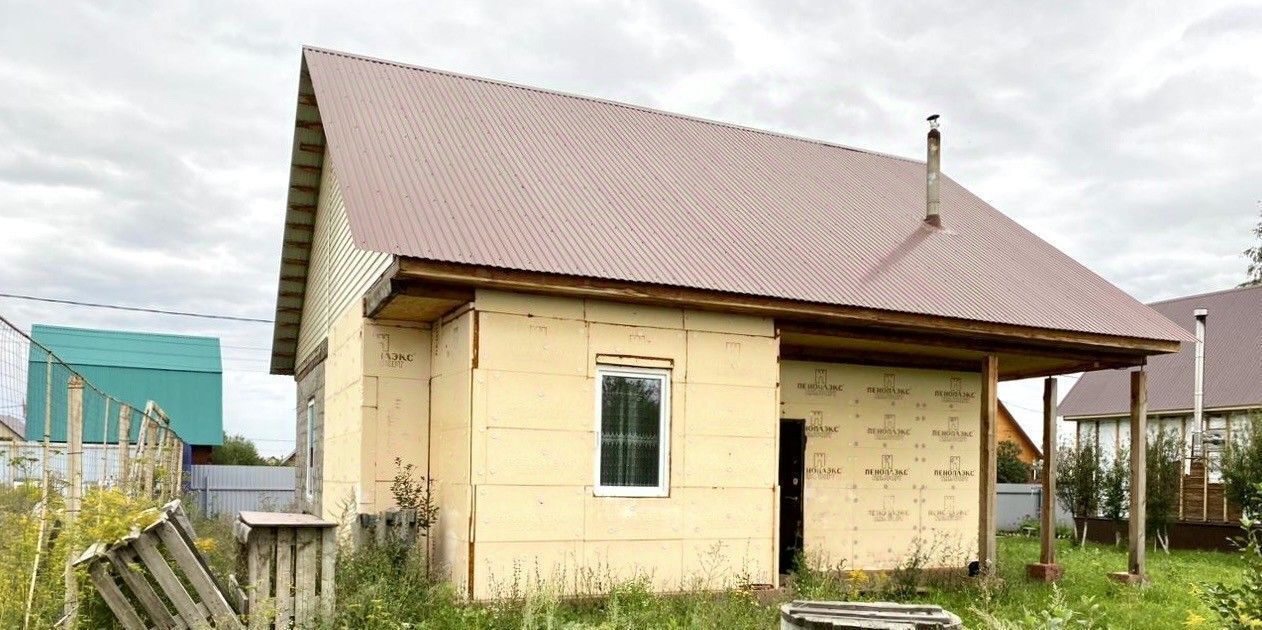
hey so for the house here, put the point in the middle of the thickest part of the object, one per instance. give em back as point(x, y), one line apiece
point(623, 338)
point(12, 429)
point(1009, 430)
point(183, 374)
point(1232, 389)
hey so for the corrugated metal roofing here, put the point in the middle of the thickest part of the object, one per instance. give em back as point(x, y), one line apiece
point(114, 348)
point(183, 374)
point(1233, 361)
point(451, 168)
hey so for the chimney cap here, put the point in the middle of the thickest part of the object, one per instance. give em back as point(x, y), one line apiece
point(1200, 312)
point(933, 121)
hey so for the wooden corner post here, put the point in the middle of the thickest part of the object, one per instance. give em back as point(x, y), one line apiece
point(986, 465)
point(1046, 569)
point(1135, 570)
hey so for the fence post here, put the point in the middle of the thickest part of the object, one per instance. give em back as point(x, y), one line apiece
point(45, 487)
point(105, 439)
point(147, 463)
point(138, 471)
point(124, 433)
point(74, 491)
point(179, 468)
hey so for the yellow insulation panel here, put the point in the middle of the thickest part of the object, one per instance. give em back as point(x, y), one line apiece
point(534, 419)
point(892, 460)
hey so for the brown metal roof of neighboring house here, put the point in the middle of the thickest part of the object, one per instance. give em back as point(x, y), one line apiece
point(450, 168)
point(1233, 361)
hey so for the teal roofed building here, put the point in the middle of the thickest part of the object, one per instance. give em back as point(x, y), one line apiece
point(183, 374)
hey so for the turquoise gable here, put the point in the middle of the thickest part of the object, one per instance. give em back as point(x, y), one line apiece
point(183, 374)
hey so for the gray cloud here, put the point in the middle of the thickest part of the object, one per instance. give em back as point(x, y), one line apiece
point(143, 149)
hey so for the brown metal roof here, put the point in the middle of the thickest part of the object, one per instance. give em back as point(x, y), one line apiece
point(1233, 361)
point(451, 168)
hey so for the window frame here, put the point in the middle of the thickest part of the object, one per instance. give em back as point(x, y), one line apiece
point(310, 447)
point(662, 489)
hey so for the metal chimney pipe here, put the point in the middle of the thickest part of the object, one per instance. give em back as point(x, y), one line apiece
point(933, 166)
point(1198, 378)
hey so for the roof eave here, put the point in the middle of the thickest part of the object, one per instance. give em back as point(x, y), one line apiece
point(559, 284)
point(305, 173)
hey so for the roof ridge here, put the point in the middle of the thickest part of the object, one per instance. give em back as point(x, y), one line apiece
point(1205, 294)
point(605, 101)
point(83, 332)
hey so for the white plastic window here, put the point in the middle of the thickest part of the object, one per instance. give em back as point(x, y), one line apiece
point(632, 432)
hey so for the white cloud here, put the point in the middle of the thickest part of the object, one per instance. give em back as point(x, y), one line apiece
point(144, 149)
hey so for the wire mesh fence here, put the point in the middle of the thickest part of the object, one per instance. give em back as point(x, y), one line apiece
point(74, 461)
point(63, 429)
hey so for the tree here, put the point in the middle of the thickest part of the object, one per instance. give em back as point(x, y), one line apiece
point(1242, 468)
point(1008, 464)
point(236, 450)
point(1077, 474)
point(1115, 490)
point(1254, 254)
point(1164, 467)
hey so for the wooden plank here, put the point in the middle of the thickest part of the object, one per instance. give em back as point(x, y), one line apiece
point(328, 566)
point(177, 518)
point(1047, 526)
point(284, 576)
point(1139, 474)
point(260, 559)
point(114, 597)
point(171, 586)
point(124, 559)
point(282, 519)
point(306, 563)
point(986, 464)
point(197, 574)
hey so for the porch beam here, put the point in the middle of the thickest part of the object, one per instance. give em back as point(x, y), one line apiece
point(986, 465)
point(1046, 569)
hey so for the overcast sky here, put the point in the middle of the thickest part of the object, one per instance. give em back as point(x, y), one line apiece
point(144, 150)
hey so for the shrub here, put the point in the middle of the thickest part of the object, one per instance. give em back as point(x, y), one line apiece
point(414, 493)
point(1239, 606)
point(1077, 473)
point(1115, 485)
point(1164, 467)
point(1242, 468)
point(1008, 464)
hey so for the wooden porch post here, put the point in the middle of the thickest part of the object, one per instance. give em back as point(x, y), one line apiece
point(1046, 569)
point(1135, 573)
point(986, 465)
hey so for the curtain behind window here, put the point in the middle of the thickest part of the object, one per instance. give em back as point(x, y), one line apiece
point(630, 424)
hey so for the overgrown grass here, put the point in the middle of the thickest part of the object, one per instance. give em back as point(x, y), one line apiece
point(388, 587)
point(384, 588)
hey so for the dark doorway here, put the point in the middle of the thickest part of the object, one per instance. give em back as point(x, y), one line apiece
point(792, 480)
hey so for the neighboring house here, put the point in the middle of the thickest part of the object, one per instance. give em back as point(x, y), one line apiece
point(12, 429)
point(182, 374)
point(623, 340)
point(1010, 430)
point(1099, 401)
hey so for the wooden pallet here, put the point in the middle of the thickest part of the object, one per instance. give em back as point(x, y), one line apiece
point(142, 578)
